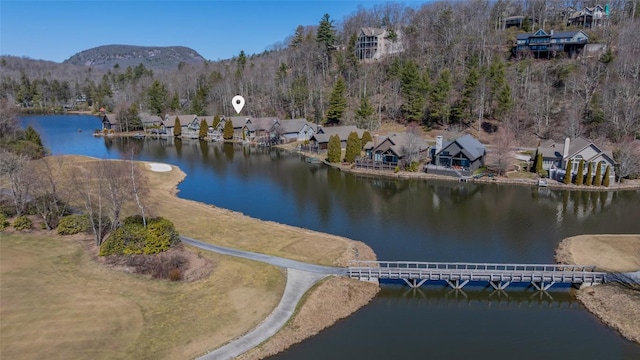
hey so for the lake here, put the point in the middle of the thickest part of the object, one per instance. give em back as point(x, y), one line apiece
point(420, 220)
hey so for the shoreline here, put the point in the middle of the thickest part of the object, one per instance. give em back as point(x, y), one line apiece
point(615, 305)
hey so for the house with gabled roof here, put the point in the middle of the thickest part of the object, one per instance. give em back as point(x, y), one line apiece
point(548, 45)
point(110, 122)
point(238, 125)
point(376, 43)
point(320, 140)
point(290, 130)
point(261, 129)
point(150, 121)
point(464, 153)
point(395, 147)
point(556, 156)
point(588, 17)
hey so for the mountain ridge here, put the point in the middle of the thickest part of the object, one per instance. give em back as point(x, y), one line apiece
point(152, 57)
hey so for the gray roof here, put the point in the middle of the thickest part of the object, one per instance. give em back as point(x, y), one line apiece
point(293, 125)
point(264, 123)
point(399, 142)
point(553, 149)
point(370, 31)
point(342, 132)
point(237, 121)
point(185, 119)
point(149, 119)
point(471, 147)
point(111, 118)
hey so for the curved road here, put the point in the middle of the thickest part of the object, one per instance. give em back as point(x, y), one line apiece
point(300, 277)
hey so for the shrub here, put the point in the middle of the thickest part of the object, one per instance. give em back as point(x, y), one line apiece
point(74, 224)
point(175, 274)
point(133, 238)
point(3, 221)
point(22, 223)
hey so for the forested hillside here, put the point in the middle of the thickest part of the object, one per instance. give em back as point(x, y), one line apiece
point(456, 72)
point(155, 58)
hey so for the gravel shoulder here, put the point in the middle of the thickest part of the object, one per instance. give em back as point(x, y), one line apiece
point(615, 304)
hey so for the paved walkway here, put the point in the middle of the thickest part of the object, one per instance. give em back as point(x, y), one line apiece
point(300, 277)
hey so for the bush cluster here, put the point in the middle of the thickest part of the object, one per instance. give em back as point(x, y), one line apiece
point(159, 267)
point(74, 224)
point(22, 223)
point(133, 238)
point(3, 221)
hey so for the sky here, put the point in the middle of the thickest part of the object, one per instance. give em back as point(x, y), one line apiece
point(56, 30)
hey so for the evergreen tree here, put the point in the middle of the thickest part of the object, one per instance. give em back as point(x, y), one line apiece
point(175, 102)
point(597, 181)
point(298, 37)
point(337, 102)
point(464, 107)
point(504, 100)
point(580, 176)
point(497, 81)
point(364, 113)
point(326, 34)
point(567, 174)
point(413, 89)
point(216, 121)
point(32, 135)
point(538, 163)
point(157, 97)
point(366, 137)
point(334, 152)
point(607, 174)
point(439, 98)
point(353, 147)
point(204, 128)
point(227, 131)
point(589, 174)
point(177, 128)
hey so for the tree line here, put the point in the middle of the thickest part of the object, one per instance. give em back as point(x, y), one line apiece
point(456, 72)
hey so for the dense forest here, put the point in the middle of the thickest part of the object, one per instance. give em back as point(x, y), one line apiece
point(456, 72)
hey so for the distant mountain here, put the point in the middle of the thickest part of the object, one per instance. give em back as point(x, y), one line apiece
point(153, 57)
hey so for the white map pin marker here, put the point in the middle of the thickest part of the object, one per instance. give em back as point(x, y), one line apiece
point(238, 103)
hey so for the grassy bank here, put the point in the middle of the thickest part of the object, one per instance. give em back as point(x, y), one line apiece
point(615, 305)
point(58, 303)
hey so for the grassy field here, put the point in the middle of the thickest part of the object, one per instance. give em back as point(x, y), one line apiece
point(615, 253)
point(57, 303)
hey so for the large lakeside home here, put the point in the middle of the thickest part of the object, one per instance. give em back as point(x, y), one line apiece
point(556, 156)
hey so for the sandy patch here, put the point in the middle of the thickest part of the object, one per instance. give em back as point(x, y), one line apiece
point(157, 167)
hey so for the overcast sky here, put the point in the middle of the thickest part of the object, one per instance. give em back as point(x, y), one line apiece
point(56, 30)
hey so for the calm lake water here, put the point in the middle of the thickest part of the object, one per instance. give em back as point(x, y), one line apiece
point(404, 220)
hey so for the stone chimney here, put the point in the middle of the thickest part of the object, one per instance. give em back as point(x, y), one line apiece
point(376, 140)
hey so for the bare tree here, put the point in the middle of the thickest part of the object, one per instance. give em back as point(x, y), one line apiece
point(50, 200)
point(16, 169)
point(91, 190)
point(8, 118)
point(500, 158)
point(114, 175)
point(413, 145)
point(627, 157)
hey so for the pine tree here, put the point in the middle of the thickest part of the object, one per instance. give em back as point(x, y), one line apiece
point(567, 174)
point(204, 129)
point(353, 147)
point(589, 174)
point(177, 128)
point(364, 113)
point(597, 180)
point(227, 131)
point(439, 98)
point(464, 107)
point(157, 98)
point(413, 89)
point(298, 37)
point(334, 152)
point(504, 100)
point(366, 137)
point(175, 102)
point(337, 102)
point(580, 176)
point(326, 34)
point(607, 174)
point(32, 135)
